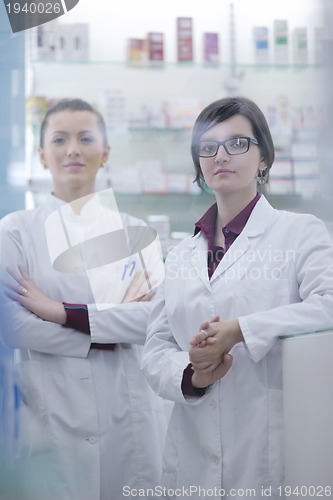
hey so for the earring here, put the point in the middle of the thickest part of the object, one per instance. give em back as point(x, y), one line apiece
point(262, 176)
point(102, 164)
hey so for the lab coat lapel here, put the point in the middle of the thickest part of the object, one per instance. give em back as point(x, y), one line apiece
point(256, 225)
point(235, 252)
point(198, 248)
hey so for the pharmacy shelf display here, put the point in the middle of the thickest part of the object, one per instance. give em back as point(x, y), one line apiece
point(150, 109)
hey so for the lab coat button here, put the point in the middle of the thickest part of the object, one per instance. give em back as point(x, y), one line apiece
point(213, 404)
point(92, 439)
point(216, 460)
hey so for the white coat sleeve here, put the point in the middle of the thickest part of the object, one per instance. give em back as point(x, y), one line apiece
point(123, 323)
point(314, 275)
point(163, 361)
point(21, 329)
point(127, 323)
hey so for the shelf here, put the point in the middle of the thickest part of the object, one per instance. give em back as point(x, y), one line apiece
point(287, 94)
point(159, 129)
point(165, 64)
point(36, 129)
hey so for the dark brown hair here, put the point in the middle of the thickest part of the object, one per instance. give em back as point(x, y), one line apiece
point(73, 105)
point(221, 110)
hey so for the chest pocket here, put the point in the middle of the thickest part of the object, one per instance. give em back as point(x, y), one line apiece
point(250, 296)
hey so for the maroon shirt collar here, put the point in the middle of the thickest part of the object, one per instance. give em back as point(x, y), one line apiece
point(208, 221)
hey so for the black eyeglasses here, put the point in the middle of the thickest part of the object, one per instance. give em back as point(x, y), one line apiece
point(236, 146)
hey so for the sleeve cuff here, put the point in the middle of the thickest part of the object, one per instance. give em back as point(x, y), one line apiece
point(77, 317)
point(187, 387)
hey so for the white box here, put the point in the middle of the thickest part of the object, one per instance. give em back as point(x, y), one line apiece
point(281, 45)
point(44, 43)
point(73, 42)
point(261, 45)
point(300, 46)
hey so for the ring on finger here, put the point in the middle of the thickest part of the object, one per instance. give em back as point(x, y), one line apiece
point(204, 332)
point(24, 291)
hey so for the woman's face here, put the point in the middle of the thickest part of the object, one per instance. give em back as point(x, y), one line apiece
point(232, 174)
point(73, 151)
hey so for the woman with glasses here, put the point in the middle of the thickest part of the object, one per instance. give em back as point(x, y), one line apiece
point(248, 275)
point(90, 425)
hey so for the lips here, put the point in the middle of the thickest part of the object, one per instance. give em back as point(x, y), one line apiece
point(224, 171)
point(74, 164)
point(74, 167)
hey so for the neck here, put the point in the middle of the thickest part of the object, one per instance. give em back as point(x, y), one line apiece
point(77, 197)
point(228, 206)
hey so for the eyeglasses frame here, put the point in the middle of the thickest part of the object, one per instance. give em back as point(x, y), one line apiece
point(222, 143)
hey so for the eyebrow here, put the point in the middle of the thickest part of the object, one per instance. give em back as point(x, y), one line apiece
point(234, 136)
point(67, 133)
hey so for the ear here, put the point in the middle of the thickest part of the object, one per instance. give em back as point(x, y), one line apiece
point(42, 157)
point(106, 154)
point(262, 164)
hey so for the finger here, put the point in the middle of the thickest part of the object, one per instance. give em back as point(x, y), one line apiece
point(211, 341)
point(205, 369)
point(204, 334)
point(201, 365)
point(11, 294)
point(223, 367)
point(207, 341)
point(203, 343)
point(204, 325)
point(19, 283)
point(15, 287)
point(197, 339)
point(227, 360)
point(24, 272)
point(138, 287)
point(14, 274)
point(148, 296)
point(215, 319)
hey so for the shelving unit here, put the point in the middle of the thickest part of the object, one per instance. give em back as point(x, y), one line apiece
point(145, 134)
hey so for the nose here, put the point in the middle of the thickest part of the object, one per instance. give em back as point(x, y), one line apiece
point(221, 154)
point(73, 149)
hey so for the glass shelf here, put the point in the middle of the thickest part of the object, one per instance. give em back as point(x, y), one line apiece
point(191, 64)
point(159, 129)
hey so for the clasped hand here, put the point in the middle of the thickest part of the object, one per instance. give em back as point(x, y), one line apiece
point(209, 354)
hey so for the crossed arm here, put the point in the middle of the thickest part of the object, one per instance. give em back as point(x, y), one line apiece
point(50, 310)
point(208, 349)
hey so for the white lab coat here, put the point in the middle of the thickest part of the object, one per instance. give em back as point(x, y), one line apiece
point(89, 422)
point(277, 278)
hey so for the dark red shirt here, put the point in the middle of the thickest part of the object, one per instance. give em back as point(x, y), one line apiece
point(78, 319)
point(207, 225)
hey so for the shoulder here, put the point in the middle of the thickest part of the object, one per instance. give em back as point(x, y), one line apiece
point(303, 228)
point(19, 218)
point(302, 219)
